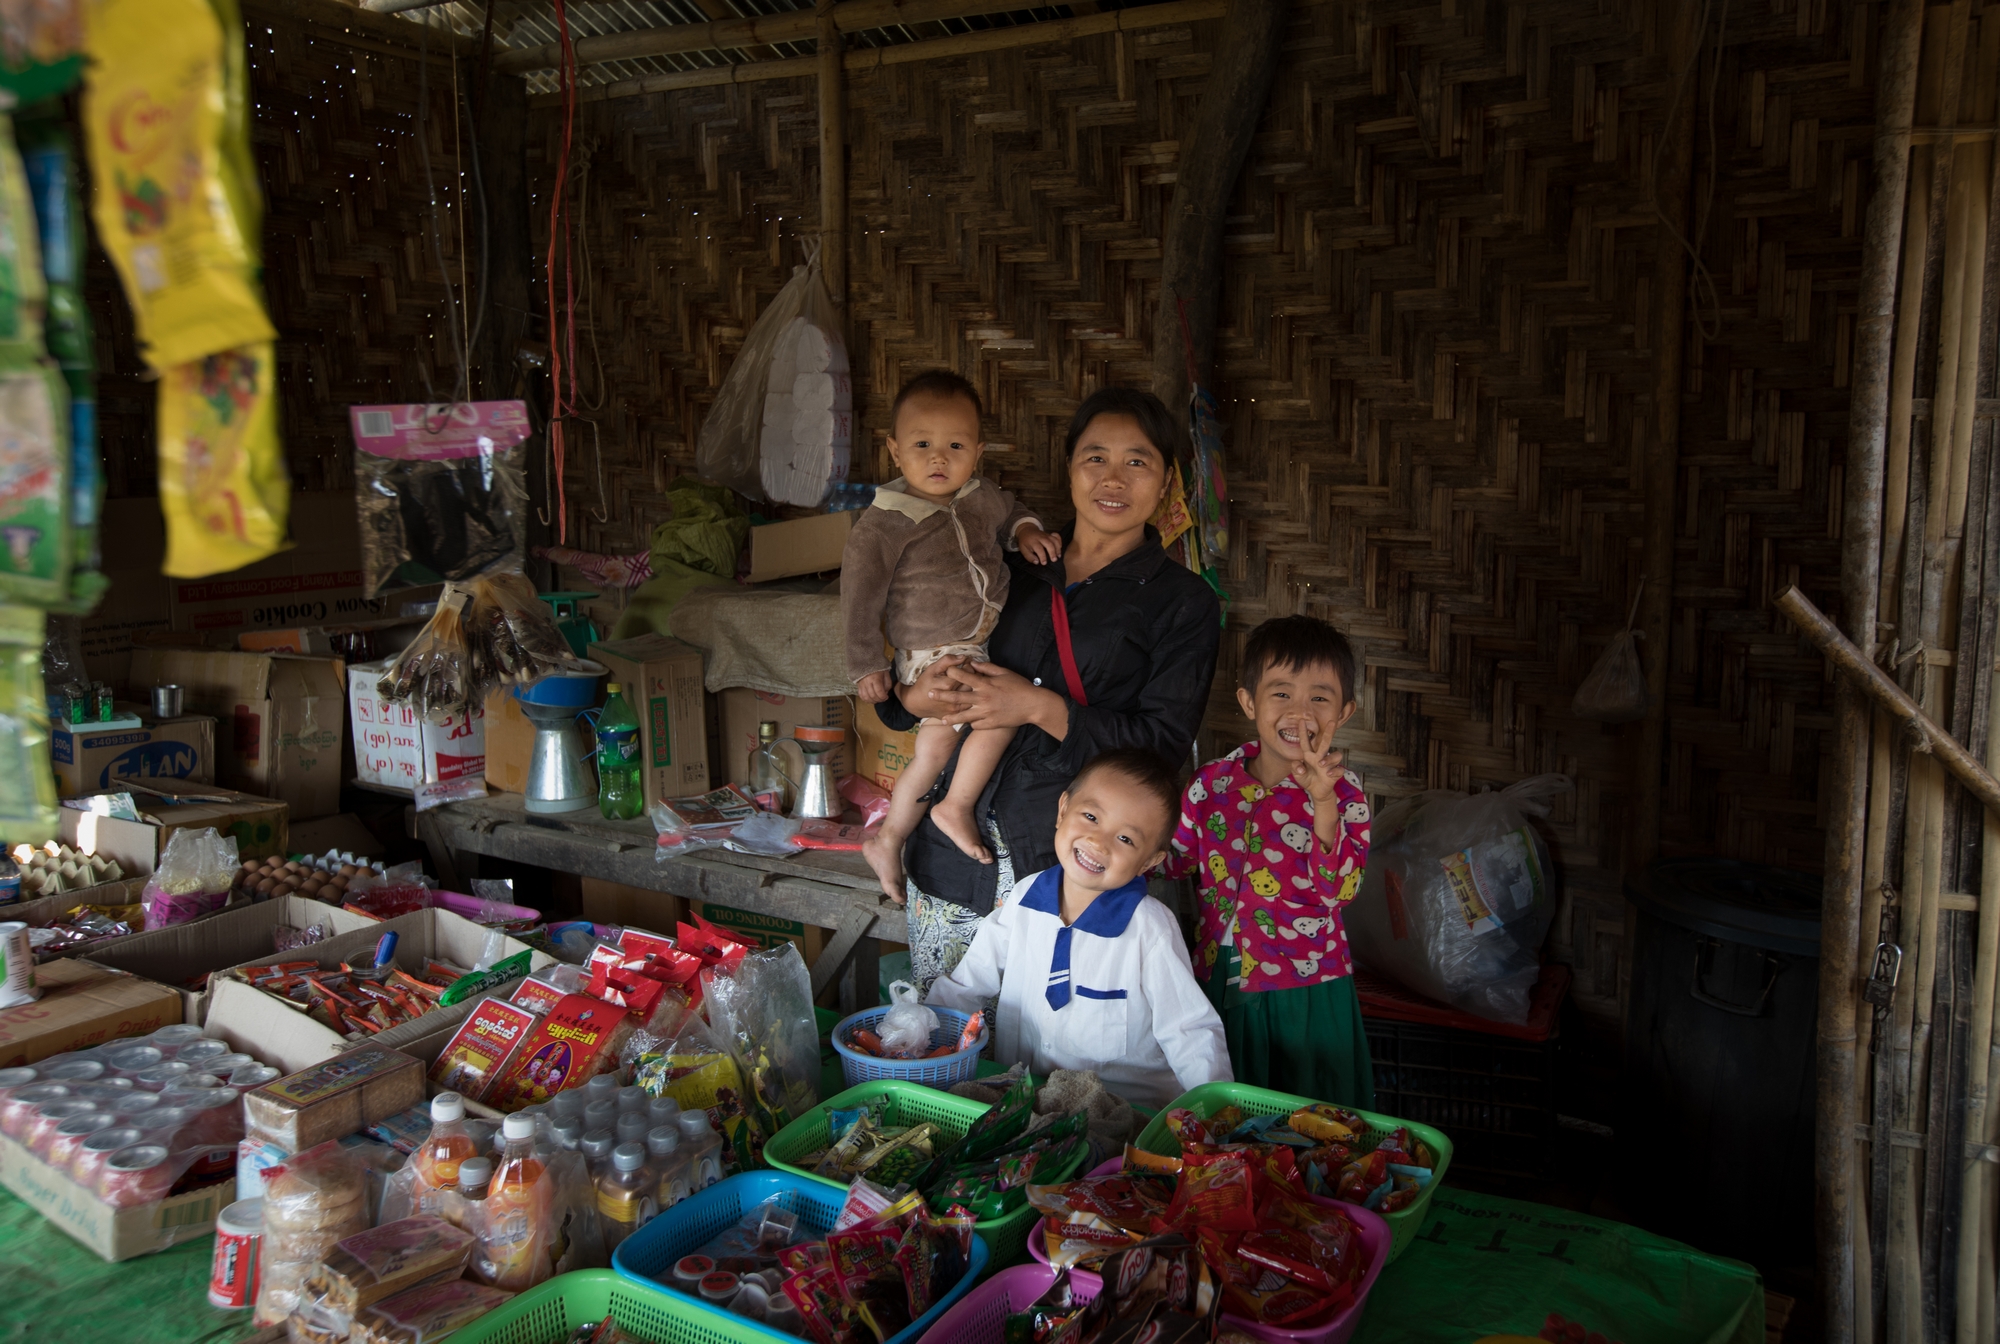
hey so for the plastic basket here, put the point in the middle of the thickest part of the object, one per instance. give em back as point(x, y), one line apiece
point(1209, 1098)
point(1375, 1236)
point(648, 1255)
point(546, 1314)
point(943, 1071)
point(910, 1104)
point(981, 1317)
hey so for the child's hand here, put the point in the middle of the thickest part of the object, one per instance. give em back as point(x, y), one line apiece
point(875, 687)
point(1041, 547)
point(1321, 770)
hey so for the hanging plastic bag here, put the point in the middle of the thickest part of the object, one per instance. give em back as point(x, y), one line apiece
point(1615, 691)
point(27, 790)
point(763, 1009)
point(441, 491)
point(223, 485)
point(782, 424)
point(1458, 896)
point(34, 486)
point(23, 287)
point(173, 202)
point(905, 1030)
point(193, 878)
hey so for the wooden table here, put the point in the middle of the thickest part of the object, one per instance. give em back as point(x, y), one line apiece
point(832, 891)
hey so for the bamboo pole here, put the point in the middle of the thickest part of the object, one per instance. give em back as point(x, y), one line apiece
point(1861, 560)
point(1671, 183)
point(832, 155)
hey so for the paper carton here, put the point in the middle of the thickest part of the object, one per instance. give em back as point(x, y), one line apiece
point(801, 546)
point(280, 718)
point(397, 748)
point(660, 678)
point(114, 1234)
point(259, 826)
point(82, 1004)
point(89, 759)
point(510, 742)
point(881, 754)
point(743, 709)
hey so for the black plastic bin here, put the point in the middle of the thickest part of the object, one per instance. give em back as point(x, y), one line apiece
point(1715, 1134)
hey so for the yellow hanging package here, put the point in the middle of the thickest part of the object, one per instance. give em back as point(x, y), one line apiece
point(222, 470)
point(169, 199)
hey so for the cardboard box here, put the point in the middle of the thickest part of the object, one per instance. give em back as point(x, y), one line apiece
point(743, 709)
point(182, 957)
point(277, 1033)
point(510, 743)
point(343, 831)
point(82, 1005)
point(44, 910)
point(631, 907)
point(88, 760)
point(881, 754)
point(660, 677)
point(396, 748)
point(334, 1098)
point(114, 1234)
point(802, 546)
point(259, 825)
point(280, 718)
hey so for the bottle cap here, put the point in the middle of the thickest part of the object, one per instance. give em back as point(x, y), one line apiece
point(569, 1133)
point(628, 1157)
point(600, 1115)
point(631, 1098)
point(664, 1110)
point(611, 688)
point(767, 731)
point(518, 1126)
point(567, 1104)
point(661, 1141)
point(598, 1142)
point(694, 1125)
point(632, 1128)
point(446, 1107)
point(601, 1086)
point(474, 1172)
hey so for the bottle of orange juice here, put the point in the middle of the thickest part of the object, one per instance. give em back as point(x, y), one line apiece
point(513, 1249)
point(447, 1145)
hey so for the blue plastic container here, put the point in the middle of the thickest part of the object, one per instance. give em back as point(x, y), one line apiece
point(648, 1255)
point(942, 1072)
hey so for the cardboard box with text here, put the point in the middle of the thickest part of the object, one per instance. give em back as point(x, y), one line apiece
point(397, 748)
point(259, 826)
point(81, 1005)
point(660, 677)
point(88, 759)
point(743, 709)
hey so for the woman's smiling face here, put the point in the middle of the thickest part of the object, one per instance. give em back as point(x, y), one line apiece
point(1117, 477)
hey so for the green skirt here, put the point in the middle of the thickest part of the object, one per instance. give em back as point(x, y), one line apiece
point(1308, 1041)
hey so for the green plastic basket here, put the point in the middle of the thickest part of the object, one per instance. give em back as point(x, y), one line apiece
point(547, 1314)
point(910, 1104)
point(1209, 1098)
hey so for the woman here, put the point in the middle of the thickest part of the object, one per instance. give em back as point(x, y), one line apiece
point(1143, 632)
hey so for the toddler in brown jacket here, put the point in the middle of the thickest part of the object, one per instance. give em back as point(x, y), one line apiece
point(924, 568)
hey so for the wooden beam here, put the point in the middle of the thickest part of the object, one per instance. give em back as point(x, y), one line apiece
point(870, 58)
point(363, 28)
point(1211, 158)
point(832, 155)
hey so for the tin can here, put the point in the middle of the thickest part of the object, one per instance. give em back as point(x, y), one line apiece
point(130, 1059)
point(169, 1040)
point(17, 1108)
point(13, 1080)
point(136, 1176)
point(71, 1133)
point(19, 985)
point(252, 1076)
point(161, 1076)
point(163, 1124)
point(214, 1116)
point(87, 1167)
point(74, 1071)
point(41, 1123)
point(194, 1052)
point(232, 1280)
point(224, 1065)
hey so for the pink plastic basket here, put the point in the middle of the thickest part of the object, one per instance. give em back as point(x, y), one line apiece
point(1375, 1238)
point(981, 1316)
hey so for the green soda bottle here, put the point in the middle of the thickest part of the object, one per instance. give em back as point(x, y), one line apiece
point(620, 792)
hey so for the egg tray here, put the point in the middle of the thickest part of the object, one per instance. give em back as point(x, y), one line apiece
point(56, 869)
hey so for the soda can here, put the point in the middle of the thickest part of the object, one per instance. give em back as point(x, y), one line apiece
point(232, 1281)
point(87, 1167)
point(136, 1176)
point(19, 985)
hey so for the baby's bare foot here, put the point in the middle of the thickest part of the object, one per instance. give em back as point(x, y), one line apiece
point(956, 823)
point(885, 855)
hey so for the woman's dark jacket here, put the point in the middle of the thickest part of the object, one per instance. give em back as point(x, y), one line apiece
point(1144, 630)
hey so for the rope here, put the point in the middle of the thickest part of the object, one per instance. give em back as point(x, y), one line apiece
point(562, 343)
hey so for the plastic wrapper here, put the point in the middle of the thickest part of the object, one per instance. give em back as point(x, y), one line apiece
point(441, 491)
point(770, 834)
point(311, 1202)
point(1458, 896)
point(27, 789)
point(383, 1261)
point(763, 1009)
point(223, 485)
point(549, 1227)
point(689, 1063)
point(782, 421)
point(425, 1315)
point(1615, 689)
point(1041, 1319)
point(905, 1030)
point(193, 878)
point(35, 506)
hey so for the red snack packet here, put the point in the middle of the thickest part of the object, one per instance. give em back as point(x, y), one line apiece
point(970, 1036)
point(1254, 1291)
point(1217, 1191)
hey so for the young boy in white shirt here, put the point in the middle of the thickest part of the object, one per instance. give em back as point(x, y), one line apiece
point(1091, 972)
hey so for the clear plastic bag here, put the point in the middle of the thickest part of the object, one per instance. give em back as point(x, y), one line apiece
point(782, 424)
point(1458, 896)
point(763, 1010)
point(441, 490)
point(906, 1028)
point(1615, 690)
point(771, 834)
point(311, 1202)
point(193, 878)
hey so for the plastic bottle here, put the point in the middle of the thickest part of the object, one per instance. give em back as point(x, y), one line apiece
point(448, 1145)
point(668, 1163)
point(631, 1098)
point(596, 1149)
point(625, 1194)
point(768, 782)
point(632, 1127)
point(475, 1175)
point(10, 880)
point(600, 1115)
point(664, 1111)
point(620, 792)
point(514, 1250)
point(703, 1147)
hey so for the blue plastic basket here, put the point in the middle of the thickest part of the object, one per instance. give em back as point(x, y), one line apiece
point(940, 1072)
point(648, 1256)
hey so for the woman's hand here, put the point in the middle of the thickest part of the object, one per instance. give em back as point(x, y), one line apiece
point(920, 697)
point(987, 695)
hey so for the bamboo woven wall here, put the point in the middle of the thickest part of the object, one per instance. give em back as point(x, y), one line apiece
point(350, 280)
point(1433, 354)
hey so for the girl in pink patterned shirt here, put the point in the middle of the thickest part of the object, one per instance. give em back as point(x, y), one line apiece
point(1276, 835)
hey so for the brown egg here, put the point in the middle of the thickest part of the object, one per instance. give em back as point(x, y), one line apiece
point(348, 870)
point(249, 865)
point(295, 867)
point(287, 887)
point(266, 887)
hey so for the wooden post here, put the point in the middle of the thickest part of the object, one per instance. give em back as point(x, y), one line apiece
point(1671, 183)
point(1211, 158)
point(832, 156)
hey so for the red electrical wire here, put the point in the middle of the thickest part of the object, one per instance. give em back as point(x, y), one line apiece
point(562, 349)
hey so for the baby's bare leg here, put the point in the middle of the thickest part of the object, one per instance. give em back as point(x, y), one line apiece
point(884, 849)
point(953, 814)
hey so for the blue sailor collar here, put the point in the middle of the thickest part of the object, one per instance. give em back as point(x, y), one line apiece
point(1105, 917)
